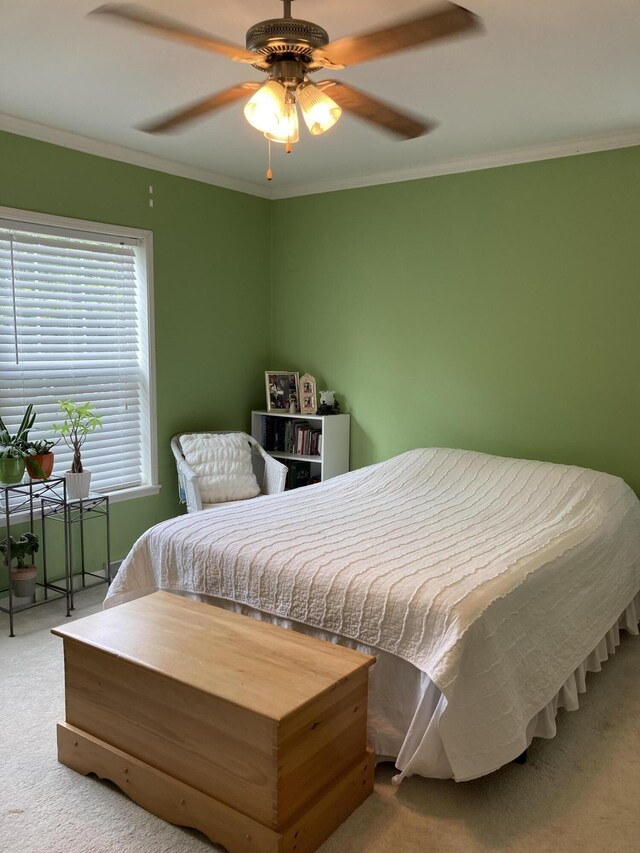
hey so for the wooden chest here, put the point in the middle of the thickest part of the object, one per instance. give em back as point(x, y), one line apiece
point(253, 734)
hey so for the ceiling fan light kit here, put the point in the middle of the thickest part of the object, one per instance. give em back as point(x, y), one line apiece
point(320, 112)
point(272, 110)
point(288, 127)
point(288, 50)
point(265, 108)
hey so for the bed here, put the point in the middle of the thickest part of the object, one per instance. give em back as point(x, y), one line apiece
point(487, 587)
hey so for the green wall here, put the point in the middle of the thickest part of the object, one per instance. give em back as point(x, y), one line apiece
point(496, 310)
point(211, 299)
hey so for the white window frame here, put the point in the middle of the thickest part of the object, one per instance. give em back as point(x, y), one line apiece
point(10, 216)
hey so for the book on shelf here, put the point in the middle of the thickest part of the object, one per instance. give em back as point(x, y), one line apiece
point(272, 431)
point(299, 474)
point(283, 435)
point(304, 439)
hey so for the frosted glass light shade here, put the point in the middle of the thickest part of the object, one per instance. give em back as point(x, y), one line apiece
point(288, 127)
point(319, 111)
point(264, 110)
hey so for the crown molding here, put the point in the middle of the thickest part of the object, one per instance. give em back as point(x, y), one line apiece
point(530, 154)
point(88, 145)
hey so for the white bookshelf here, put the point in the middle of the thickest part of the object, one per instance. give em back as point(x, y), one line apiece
point(334, 456)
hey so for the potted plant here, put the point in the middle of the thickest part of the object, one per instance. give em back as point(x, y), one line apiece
point(12, 449)
point(39, 458)
point(11, 464)
point(23, 576)
point(80, 420)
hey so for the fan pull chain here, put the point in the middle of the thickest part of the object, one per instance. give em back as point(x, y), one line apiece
point(269, 172)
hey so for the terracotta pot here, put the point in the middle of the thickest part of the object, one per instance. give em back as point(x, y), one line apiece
point(11, 471)
point(44, 461)
point(23, 581)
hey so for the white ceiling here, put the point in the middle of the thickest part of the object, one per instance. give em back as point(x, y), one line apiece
point(546, 77)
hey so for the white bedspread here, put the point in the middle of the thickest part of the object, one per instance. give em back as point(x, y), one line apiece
point(494, 576)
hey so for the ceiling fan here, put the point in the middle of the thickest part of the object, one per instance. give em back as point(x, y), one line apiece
point(289, 50)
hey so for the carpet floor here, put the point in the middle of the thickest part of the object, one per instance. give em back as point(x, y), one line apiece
point(577, 792)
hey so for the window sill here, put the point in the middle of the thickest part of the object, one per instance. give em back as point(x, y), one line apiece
point(130, 494)
point(114, 497)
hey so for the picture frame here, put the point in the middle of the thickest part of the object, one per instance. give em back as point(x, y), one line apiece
point(308, 395)
point(282, 387)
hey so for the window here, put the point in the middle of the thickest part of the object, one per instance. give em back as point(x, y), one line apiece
point(76, 323)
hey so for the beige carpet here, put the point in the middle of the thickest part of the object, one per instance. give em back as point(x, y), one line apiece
point(578, 792)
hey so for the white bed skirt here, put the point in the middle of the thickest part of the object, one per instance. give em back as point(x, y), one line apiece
point(405, 706)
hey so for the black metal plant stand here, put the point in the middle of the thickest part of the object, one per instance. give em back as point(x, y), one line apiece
point(72, 512)
point(48, 500)
point(21, 498)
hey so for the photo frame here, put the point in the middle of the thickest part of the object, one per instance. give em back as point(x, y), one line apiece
point(282, 388)
point(308, 396)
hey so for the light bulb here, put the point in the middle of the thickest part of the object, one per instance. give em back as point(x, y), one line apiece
point(265, 109)
point(287, 130)
point(319, 111)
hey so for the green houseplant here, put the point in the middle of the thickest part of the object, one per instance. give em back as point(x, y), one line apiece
point(23, 576)
point(13, 449)
point(39, 458)
point(11, 464)
point(79, 422)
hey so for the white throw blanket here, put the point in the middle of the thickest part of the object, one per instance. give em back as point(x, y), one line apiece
point(494, 576)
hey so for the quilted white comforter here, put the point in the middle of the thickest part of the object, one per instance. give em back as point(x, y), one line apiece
point(494, 576)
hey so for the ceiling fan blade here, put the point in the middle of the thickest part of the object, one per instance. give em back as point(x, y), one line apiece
point(450, 20)
point(200, 108)
point(377, 112)
point(129, 13)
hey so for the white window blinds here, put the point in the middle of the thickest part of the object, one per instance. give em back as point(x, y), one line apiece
point(73, 325)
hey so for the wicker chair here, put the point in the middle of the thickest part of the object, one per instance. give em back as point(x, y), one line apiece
point(270, 474)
